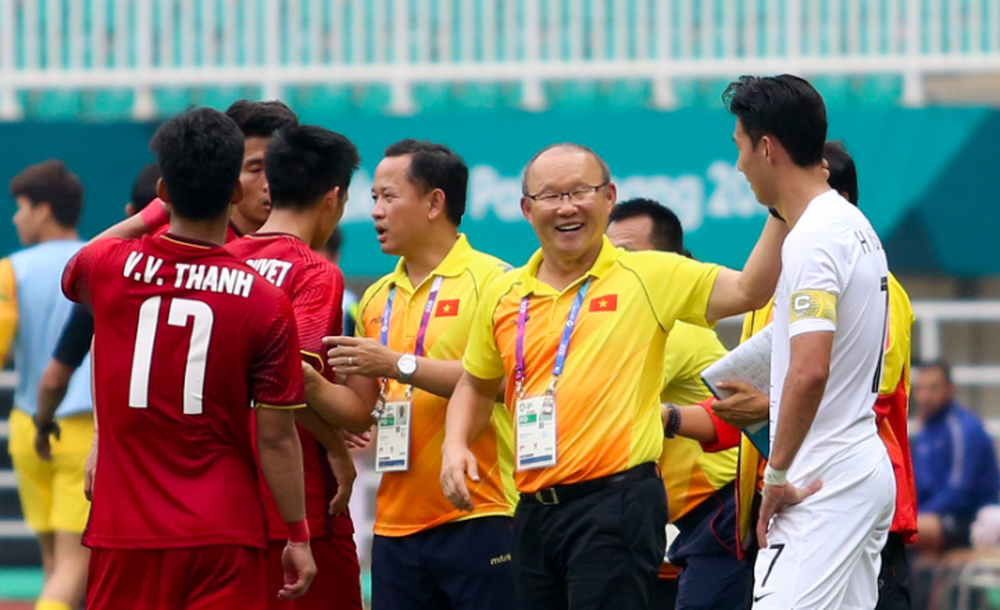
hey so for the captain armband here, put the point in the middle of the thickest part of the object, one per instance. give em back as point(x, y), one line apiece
point(812, 305)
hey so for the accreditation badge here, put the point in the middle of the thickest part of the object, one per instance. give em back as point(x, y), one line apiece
point(392, 453)
point(536, 432)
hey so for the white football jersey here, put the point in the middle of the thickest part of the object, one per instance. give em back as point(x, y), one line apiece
point(834, 277)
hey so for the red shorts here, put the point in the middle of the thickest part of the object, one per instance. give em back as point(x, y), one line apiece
point(208, 577)
point(337, 585)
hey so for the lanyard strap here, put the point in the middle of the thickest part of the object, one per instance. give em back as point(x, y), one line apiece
point(522, 320)
point(424, 321)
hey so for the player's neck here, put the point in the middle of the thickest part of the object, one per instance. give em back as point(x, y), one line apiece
point(801, 187)
point(429, 255)
point(212, 231)
point(54, 231)
point(242, 224)
point(561, 272)
point(303, 226)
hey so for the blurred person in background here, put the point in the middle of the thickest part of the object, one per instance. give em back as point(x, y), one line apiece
point(33, 312)
point(703, 568)
point(74, 342)
point(954, 462)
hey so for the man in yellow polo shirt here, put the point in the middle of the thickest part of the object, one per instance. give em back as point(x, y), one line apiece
point(701, 501)
point(411, 331)
point(580, 332)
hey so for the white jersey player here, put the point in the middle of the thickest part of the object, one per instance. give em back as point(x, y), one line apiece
point(829, 491)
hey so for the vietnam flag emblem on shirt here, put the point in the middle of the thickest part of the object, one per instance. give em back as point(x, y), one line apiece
point(447, 308)
point(608, 302)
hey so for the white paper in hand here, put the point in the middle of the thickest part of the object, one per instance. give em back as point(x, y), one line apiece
point(750, 362)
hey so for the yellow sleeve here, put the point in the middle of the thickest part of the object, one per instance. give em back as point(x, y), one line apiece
point(897, 352)
point(679, 287)
point(689, 351)
point(8, 309)
point(482, 356)
point(451, 343)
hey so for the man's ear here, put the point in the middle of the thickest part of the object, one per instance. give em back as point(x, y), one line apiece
point(237, 193)
point(437, 204)
point(161, 191)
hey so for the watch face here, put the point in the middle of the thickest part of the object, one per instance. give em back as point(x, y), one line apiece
point(407, 364)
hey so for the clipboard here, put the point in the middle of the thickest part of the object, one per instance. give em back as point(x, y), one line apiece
point(750, 362)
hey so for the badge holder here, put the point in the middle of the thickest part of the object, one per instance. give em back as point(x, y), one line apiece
point(392, 444)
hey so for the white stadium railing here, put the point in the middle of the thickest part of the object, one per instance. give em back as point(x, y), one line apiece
point(141, 45)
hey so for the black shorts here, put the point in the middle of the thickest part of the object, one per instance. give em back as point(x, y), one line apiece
point(894, 577)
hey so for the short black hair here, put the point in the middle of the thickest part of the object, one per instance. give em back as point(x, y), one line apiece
point(435, 166)
point(261, 119)
point(786, 107)
point(942, 365)
point(303, 162)
point(200, 153)
point(51, 182)
point(335, 242)
point(843, 173)
point(605, 170)
point(144, 187)
point(667, 234)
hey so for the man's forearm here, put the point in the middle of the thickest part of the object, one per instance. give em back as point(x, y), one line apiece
point(470, 409)
point(696, 424)
point(799, 403)
point(52, 389)
point(763, 266)
point(281, 461)
point(437, 376)
point(343, 406)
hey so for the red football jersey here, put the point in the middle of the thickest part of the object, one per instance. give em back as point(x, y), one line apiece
point(316, 289)
point(186, 336)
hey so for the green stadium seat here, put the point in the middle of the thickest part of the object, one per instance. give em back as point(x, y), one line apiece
point(53, 105)
point(170, 101)
point(107, 105)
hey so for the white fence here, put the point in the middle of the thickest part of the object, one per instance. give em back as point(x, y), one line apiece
point(145, 44)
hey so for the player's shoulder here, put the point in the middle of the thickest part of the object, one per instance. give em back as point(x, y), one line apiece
point(380, 286)
point(484, 268)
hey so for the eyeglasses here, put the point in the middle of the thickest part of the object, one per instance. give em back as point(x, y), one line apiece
point(578, 194)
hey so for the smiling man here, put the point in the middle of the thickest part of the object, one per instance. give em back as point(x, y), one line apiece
point(580, 333)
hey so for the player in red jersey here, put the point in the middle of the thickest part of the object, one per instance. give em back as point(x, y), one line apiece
point(309, 170)
point(186, 336)
point(258, 121)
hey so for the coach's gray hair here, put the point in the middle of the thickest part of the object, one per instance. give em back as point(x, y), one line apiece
point(605, 170)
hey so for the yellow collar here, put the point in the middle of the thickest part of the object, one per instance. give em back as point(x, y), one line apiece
point(454, 264)
point(528, 282)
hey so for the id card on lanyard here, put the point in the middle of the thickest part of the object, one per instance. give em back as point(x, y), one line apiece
point(535, 418)
point(392, 444)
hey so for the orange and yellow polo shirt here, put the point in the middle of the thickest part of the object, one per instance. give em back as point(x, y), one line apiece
point(607, 399)
point(691, 475)
point(412, 501)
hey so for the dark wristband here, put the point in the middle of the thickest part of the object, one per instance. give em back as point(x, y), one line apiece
point(673, 421)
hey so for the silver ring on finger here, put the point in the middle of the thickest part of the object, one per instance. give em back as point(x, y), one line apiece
point(350, 361)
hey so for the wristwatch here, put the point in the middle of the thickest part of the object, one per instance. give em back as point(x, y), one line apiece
point(407, 366)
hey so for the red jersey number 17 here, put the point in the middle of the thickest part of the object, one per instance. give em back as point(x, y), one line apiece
point(194, 372)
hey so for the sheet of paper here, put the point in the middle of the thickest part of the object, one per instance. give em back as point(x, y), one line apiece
point(749, 362)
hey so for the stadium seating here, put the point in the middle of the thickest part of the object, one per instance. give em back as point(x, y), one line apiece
point(462, 52)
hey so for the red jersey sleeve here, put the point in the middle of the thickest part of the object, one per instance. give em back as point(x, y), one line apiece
point(154, 216)
point(727, 436)
point(276, 372)
point(319, 313)
point(79, 271)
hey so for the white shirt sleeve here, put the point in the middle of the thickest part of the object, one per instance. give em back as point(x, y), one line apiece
point(815, 271)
